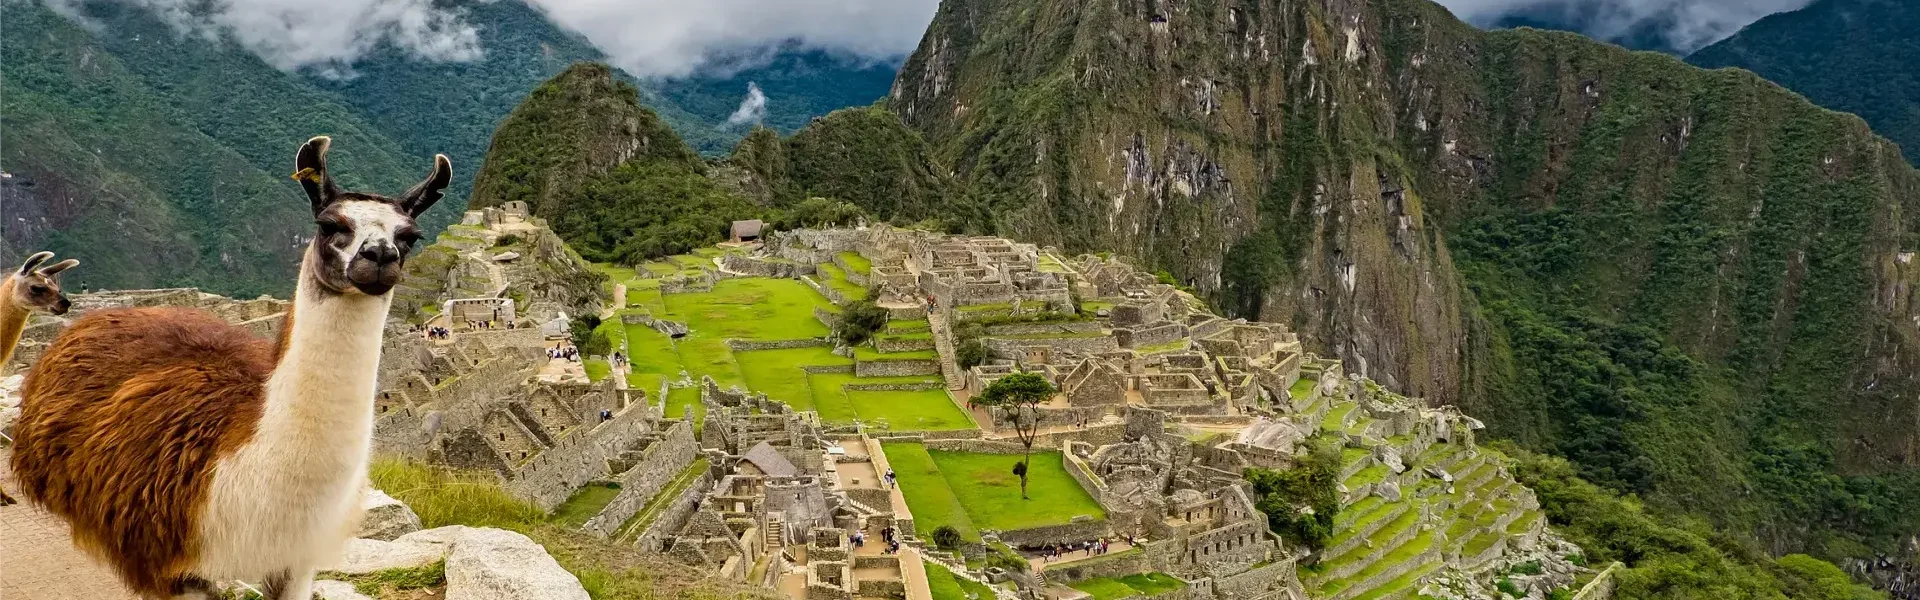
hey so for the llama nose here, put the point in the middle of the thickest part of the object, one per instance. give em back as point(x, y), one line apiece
point(379, 254)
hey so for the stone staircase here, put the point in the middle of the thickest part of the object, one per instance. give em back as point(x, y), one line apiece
point(1387, 548)
point(943, 345)
point(773, 535)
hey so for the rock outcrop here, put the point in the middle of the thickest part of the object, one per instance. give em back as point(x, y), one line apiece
point(385, 518)
point(494, 564)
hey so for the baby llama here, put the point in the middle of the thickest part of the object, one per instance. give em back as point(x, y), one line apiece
point(182, 450)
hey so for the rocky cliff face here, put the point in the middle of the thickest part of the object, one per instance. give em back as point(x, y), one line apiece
point(1694, 283)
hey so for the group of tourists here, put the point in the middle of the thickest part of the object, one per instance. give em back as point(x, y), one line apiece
point(564, 353)
point(1090, 548)
point(439, 333)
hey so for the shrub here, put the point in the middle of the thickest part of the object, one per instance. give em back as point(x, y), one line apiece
point(1311, 483)
point(1507, 587)
point(946, 537)
point(860, 321)
point(507, 240)
point(971, 353)
point(1531, 567)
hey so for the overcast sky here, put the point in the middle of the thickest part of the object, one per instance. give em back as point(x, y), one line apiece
point(679, 37)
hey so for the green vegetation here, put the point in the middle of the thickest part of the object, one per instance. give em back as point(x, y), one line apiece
point(987, 487)
point(945, 586)
point(638, 523)
point(856, 262)
point(1692, 560)
point(925, 410)
point(1148, 584)
point(585, 503)
point(833, 277)
point(1022, 393)
point(927, 492)
point(1310, 484)
point(860, 320)
point(389, 583)
point(608, 570)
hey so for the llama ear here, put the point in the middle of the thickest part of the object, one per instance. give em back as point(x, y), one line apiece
point(34, 261)
point(56, 268)
point(310, 169)
point(422, 196)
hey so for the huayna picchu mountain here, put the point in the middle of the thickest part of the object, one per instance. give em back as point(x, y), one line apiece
point(1696, 285)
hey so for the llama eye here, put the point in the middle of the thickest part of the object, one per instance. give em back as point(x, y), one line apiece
point(407, 237)
point(37, 288)
point(330, 228)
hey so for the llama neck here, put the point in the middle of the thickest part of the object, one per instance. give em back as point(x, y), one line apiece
point(13, 320)
point(320, 395)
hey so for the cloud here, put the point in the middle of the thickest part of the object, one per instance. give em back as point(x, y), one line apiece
point(671, 38)
point(1685, 25)
point(325, 35)
point(752, 109)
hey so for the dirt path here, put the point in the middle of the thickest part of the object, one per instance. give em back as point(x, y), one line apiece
point(40, 560)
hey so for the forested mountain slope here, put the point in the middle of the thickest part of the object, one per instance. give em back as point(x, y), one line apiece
point(162, 161)
point(1695, 284)
point(186, 136)
point(1858, 56)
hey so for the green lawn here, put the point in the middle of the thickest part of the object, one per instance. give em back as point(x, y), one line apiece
point(1104, 588)
point(778, 372)
point(833, 277)
point(923, 410)
point(1301, 388)
point(1149, 584)
point(652, 352)
point(986, 486)
point(945, 586)
point(750, 309)
point(931, 500)
point(597, 369)
point(645, 294)
point(839, 406)
point(585, 503)
point(856, 262)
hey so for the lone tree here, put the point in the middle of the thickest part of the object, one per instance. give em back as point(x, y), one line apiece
point(1021, 394)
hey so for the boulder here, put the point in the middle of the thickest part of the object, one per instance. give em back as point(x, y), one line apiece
point(1390, 491)
point(495, 564)
point(385, 518)
point(364, 556)
point(327, 589)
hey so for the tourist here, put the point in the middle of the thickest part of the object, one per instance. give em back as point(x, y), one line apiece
point(859, 539)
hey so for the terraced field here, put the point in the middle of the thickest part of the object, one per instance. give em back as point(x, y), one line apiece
point(1444, 505)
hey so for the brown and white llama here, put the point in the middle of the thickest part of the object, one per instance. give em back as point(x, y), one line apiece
point(183, 450)
point(22, 292)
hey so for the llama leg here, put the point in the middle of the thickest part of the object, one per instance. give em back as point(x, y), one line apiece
point(194, 588)
point(289, 585)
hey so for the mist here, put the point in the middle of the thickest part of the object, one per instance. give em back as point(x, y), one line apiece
point(325, 36)
point(752, 109)
point(1685, 25)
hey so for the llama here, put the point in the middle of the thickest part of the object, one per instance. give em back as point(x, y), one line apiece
point(28, 289)
point(21, 293)
point(183, 450)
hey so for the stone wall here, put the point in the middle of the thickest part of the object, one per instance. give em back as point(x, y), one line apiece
point(894, 387)
point(898, 344)
point(759, 267)
point(896, 368)
point(1151, 336)
point(1601, 588)
point(550, 477)
point(1121, 564)
point(977, 446)
point(1260, 582)
point(1066, 532)
point(1081, 345)
point(674, 516)
point(1044, 327)
point(658, 466)
point(751, 345)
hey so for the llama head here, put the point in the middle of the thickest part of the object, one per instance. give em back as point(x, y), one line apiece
point(363, 238)
point(38, 288)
